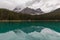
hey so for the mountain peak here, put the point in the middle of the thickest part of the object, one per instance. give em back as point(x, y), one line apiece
point(39, 10)
point(28, 10)
point(17, 9)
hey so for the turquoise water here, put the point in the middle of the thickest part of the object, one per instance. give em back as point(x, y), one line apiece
point(38, 30)
point(4, 27)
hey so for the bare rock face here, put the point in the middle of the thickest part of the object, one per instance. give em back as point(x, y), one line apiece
point(31, 11)
point(39, 10)
point(17, 9)
point(28, 10)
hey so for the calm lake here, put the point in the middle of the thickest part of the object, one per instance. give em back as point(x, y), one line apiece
point(37, 30)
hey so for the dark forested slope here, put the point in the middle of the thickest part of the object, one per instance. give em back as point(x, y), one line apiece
point(10, 15)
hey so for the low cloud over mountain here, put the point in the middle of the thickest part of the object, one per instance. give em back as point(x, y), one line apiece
point(45, 5)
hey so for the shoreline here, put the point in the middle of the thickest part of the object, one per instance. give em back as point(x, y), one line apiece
point(25, 20)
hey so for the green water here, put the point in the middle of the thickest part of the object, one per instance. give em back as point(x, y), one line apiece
point(8, 26)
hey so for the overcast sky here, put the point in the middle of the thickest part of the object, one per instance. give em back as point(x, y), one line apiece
point(45, 5)
point(10, 4)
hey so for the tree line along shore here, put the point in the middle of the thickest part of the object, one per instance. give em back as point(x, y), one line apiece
point(10, 15)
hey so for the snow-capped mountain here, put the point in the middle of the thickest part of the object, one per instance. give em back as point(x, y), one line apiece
point(17, 9)
point(29, 11)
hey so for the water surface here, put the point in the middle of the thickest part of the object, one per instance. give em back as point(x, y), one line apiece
point(38, 30)
point(55, 25)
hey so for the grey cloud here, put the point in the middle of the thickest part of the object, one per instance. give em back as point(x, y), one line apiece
point(32, 2)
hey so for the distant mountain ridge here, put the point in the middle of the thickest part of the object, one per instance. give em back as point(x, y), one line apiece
point(29, 11)
point(6, 14)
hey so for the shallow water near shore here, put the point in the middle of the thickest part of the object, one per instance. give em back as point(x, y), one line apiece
point(37, 30)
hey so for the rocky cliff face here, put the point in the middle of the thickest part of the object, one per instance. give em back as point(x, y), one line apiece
point(30, 11)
